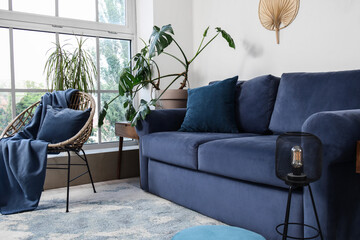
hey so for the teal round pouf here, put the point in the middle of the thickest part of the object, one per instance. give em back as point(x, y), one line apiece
point(216, 232)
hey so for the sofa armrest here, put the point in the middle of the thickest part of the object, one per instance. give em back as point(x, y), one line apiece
point(161, 121)
point(338, 131)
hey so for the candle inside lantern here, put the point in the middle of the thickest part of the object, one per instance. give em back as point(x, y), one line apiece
point(297, 161)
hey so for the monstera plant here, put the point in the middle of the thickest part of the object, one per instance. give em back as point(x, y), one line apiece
point(143, 70)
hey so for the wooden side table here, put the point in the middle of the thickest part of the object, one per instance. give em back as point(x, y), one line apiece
point(124, 129)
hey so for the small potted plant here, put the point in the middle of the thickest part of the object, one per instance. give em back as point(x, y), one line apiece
point(65, 69)
point(143, 70)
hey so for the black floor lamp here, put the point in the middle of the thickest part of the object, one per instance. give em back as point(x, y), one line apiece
point(298, 163)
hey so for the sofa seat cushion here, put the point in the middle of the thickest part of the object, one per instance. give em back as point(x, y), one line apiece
point(180, 148)
point(249, 158)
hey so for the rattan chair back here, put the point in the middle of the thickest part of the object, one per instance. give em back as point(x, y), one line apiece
point(79, 101)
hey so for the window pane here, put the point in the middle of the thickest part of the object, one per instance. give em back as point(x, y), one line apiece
point(5, 110)
point(112, 11)
point(70, 43)
point(78, 9)
point(4, 4)
point(5, 77)
point(30, 50)
point(24, 100)
point(114, 55)
point(46, 7)
point(115, 113)
point(95, 131)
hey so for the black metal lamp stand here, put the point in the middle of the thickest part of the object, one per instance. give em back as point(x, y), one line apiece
point(287, 215)
point(298, 163)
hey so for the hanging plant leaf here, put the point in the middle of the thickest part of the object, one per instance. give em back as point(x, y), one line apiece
point(141, 113)
point(227, 37)
point(141, 65)
point(102, 114)
point(127, 81)
point(130, 112)
point(128, 101)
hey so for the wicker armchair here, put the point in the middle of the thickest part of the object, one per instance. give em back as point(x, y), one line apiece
point(79, 101)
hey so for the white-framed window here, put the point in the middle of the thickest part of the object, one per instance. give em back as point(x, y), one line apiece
point(29, 28)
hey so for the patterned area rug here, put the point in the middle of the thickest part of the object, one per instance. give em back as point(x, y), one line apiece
point(119, 210)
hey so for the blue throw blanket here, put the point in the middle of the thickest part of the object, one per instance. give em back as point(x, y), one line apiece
point(23, 160)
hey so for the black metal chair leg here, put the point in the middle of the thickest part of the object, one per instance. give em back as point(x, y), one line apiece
point(286, 225)
point(87, 165)
point(68, 183)
point(316, 215)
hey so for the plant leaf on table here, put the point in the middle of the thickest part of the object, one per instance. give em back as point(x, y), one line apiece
point(143, 111)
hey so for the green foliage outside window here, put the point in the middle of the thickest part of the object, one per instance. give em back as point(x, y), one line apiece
point(114, 55)
point(5, 117)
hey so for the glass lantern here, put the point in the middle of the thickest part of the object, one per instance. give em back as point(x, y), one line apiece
point(298, 162)
point(298, 158)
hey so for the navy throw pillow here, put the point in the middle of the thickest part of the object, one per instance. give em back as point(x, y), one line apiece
point(211, 108)
point(60, 124)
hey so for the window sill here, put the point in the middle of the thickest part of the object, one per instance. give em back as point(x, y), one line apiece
point(97, 151)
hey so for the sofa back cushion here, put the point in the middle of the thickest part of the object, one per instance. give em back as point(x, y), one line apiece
point(255, 101)
point(303, 94)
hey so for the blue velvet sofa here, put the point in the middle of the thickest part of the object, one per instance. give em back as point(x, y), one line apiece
point(231, 176)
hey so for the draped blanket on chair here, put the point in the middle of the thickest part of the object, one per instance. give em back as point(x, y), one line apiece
point(23, 160)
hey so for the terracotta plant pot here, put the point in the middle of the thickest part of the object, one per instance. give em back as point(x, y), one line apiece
point(173, 98)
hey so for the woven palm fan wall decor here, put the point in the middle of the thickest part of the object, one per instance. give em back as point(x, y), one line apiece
point(278, 14)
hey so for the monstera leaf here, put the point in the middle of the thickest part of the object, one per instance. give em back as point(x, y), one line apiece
point(160, 39)
point(127, 81)
point(144, 109)
point(103, 113)
point(141, 63)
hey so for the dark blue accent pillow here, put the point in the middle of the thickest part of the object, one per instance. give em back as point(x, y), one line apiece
point(60, 124)
point(302, 94)
point(255, 103)
point(211, 108)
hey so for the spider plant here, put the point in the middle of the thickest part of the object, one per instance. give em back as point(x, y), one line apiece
point(65, 69)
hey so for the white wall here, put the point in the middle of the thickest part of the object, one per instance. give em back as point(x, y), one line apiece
point(325, 36)
point(144, 25)
point(144, 20)
point(179, 14)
